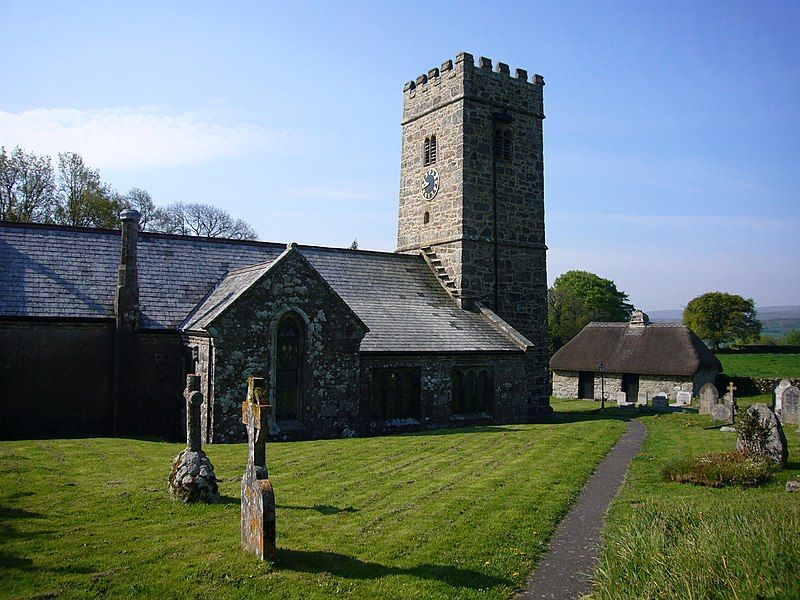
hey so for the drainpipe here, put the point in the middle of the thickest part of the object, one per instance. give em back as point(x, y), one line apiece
point(496, 118)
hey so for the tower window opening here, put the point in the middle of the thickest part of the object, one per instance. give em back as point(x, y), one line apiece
point(503, 143)
point(429, 155)
point(426, 218)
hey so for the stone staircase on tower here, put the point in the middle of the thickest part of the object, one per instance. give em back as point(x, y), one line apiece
point(435, 263)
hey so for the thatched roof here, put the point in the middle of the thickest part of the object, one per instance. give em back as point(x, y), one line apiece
point(638, 347)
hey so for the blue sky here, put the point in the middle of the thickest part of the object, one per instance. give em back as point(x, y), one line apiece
point(672, 138)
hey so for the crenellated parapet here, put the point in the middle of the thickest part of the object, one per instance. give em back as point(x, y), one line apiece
point(452, 81)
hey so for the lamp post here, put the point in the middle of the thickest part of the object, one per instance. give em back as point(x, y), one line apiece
point(602, 386)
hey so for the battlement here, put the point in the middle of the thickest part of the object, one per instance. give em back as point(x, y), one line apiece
point(463, 79)
point(466, 62)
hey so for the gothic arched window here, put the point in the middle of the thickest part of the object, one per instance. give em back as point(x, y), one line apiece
point(288, 368)
point(429, 153)
point(473, 390)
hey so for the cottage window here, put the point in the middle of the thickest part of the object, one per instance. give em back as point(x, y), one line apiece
point(473, 390)
point(429, 153)
point(289, 361)
point(395, 393)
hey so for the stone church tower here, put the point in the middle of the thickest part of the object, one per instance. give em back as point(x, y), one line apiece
point(472, 194)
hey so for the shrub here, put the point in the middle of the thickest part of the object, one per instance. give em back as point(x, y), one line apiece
point(718, 469)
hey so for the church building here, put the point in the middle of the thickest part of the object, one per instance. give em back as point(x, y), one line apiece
point(98, 328)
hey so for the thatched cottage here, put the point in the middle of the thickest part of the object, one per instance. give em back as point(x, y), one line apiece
point(638, 357)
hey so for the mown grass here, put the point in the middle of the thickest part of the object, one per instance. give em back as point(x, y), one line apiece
point(761, 365)
point(673, 540)
point(452, 514)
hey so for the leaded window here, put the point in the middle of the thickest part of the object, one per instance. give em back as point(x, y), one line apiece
point(395, 394)
point(289, 362)
point(473, 390)
point(429, 153)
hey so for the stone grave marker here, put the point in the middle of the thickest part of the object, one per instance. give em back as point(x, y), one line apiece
point(683, 398)
point(790, 413)
point(730, 401)
point(661, 401)
point(777, 394)
point(721, 412)
point(258, 497)
point(620, 398)
point(709, 396)
point(192, 476)
point(641, 398)
point(772, 444)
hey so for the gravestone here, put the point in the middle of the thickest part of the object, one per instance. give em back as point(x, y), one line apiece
point(661, 401)
point(730, 401)
point(790, 413)
point(258, 497)
point(620, 398)
point(777, 394)
point(683, 398)
point(641, 398)
point(709, 396)
point(192, 476)
point(721, 412)
point(773, 443)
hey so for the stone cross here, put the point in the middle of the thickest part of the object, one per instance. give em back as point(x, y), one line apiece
point(258, 497)
point(194, 400)
point(731, 400)
point(731, 388)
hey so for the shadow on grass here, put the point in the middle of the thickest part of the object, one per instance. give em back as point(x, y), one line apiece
point(466, 428)
point(229, 500)
point(347, 567)
point(323, 509)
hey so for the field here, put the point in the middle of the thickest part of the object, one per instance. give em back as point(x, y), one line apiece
point(667, 540)
point(451, 514)
point(761, 365)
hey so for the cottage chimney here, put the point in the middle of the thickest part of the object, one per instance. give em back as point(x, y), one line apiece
point(639, 319)
point(127, 300)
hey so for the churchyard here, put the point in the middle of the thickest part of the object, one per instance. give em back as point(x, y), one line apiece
point(447, 514)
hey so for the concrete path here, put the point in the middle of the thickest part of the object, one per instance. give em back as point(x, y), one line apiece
point(566, 570)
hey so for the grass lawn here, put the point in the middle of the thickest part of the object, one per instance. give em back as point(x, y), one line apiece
point(669, 540)
point(761, 365)
point(452, 514)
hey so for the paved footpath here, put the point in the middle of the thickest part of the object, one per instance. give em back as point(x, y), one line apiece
point(566, 570)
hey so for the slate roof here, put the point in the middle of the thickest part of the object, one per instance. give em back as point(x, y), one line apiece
point(654, 349)
point(55, 271)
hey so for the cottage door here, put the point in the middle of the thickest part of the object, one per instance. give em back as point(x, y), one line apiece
point(586, 385)
point(630, 385)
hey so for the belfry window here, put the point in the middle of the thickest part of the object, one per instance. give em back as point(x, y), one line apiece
point(503, 143)
point(429, 155)
point(289, 357)
point(426, 218)
point(395, 394)
point(473, 390)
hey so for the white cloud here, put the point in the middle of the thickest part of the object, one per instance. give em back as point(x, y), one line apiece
point(134, 137)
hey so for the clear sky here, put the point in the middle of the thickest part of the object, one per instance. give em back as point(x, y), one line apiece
point(672, 138)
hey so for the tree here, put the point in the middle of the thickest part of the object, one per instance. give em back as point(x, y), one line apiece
point(83, 199)
point(27, 186)
point(722, 318)
point(142, 201)
point(792, 338)
point(578, 298)
point(354, 245)
point(201, 220)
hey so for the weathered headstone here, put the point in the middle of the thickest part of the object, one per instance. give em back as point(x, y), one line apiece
point(620, 398)
point(790, 413)
point(730, 401)
point(721, 412)
point(641, 398)
point(777, 395)
point(192, 476)
point(768, 440)
point(708, 398)
point(258, 497)
point(661, 401)
point(683, 398)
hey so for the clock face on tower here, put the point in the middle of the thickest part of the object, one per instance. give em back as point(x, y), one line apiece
point(430, 184)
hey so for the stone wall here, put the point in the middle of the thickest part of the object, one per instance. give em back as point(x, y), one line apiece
point(565, 384)
point(244, 338)
point(199, 355)
point(510, 402)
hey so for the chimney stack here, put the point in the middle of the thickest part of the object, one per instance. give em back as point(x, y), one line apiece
point(127, 300)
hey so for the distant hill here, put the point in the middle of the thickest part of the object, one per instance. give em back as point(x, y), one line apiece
point(777, 320)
